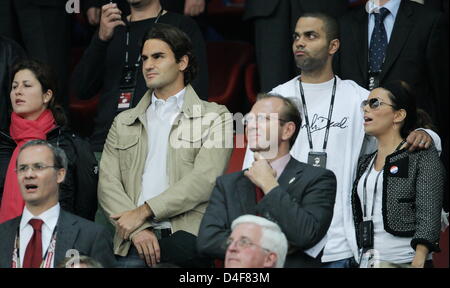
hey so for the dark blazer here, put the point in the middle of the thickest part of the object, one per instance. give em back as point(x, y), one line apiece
point(417, 53)
point(302, 205)
point(412, 197)
point(88, 238)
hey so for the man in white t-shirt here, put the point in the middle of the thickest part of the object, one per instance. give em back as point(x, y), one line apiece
point(328, 101)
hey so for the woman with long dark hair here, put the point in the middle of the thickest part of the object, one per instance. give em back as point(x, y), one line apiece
point(397, 195)
point(35, 115)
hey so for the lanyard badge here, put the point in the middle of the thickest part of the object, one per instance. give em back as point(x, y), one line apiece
point(374, 80)
point(317, 159)
point(127, 87)
point(128, 78)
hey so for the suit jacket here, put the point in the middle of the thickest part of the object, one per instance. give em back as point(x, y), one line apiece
point(302, 205)
point(417, 53)
point(73, 232)
point(192, 168)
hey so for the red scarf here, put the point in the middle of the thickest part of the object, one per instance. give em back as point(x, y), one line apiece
point(21, 131)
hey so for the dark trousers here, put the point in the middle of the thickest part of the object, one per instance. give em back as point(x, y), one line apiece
point(177, 250)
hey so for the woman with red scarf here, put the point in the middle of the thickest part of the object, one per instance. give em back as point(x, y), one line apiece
point(35, 116)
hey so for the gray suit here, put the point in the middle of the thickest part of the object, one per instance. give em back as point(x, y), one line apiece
point(303, 207)
point(74, 232)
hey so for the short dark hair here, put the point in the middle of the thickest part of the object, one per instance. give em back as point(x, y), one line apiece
point(290, 113)
point(179, 43)
point(59, 156)
point(331, 25)
point(46, 77)
point(403, 97)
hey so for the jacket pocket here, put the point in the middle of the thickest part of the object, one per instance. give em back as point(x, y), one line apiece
point(189, 146)
point(127, 149)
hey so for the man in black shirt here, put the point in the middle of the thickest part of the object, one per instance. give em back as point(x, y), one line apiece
point(111, 66)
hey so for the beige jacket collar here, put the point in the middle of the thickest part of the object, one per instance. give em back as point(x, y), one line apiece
point(192, 106)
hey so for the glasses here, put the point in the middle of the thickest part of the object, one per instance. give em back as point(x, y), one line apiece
point(261, 117)
point(243, 243)
point(374, 103)
point(35, 167)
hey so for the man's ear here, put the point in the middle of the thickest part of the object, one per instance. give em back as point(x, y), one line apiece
point(334, 46)
point(271, 260)
point(61, 175)
point(288, 131)
point(183, 63)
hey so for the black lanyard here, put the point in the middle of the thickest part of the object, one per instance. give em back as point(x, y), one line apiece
point(330, 113)
point(127, 42)
point(376, 183)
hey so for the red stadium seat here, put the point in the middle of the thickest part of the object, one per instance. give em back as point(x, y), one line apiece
point(251, 83)
point(82, 112)
point(226, 64)
point(227, 7)
point(440, 260)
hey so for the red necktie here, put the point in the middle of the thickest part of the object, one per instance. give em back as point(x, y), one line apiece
point(259, 194)
point(33, 254)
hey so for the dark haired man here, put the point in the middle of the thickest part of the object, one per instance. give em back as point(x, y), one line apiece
point(333, 126)
point(44, 235)
point(161, 159)
point(276, 19)
point(112, 64)
point(298, 197)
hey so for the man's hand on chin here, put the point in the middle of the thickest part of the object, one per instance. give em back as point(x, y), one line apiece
point(262, 174)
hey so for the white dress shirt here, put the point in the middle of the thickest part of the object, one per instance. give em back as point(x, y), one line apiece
point(160, 116)
point(392, 6)
point(50, 219)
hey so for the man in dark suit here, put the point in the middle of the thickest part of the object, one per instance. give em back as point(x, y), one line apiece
point(415, 50)
point(274, 22)
point(45, 233)
point(297, 196)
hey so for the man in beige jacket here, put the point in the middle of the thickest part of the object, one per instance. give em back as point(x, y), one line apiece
point(161, 159)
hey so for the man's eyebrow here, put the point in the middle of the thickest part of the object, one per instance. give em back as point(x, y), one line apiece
point(157, 54)
point(309, 32)
point(152, 55)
